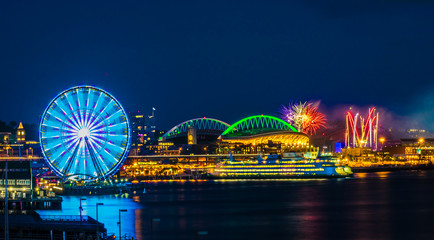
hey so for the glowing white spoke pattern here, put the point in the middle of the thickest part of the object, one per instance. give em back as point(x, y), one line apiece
point(84, 134)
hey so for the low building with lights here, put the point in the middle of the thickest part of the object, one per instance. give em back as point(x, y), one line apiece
point(412, 149)
point(20, 181)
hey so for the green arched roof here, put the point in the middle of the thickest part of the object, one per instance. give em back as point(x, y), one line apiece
point(258, 122)
point(199, 123)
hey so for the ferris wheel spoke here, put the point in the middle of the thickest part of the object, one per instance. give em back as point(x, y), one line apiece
point(95, 109)
point(68, 113)
point(121, 149)
point(109, 160)
point(102, 111)
point(73, 109)
point(99, 143)
point(109, 155)
point(95, 161)
point(105, 120)
point(99, 139)
point(114, 147)
point(82, 106)
point(53, 115)
point(71, 159)
point(71, 124)
point(119, 129)
point(60, 109)
point(122, 125)
point(86, 104)
point(113, 115)
point(97, 112)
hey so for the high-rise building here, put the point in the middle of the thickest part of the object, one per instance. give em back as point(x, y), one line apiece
point(137, 124)
point(143, 130)
point(150, 128)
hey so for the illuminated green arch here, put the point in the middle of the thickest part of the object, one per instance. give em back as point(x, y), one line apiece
point(198, 123)
point(257, 122)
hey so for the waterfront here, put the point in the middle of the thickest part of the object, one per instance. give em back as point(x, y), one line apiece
point(383, 205)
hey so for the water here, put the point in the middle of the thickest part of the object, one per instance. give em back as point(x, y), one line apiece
point(386, 205)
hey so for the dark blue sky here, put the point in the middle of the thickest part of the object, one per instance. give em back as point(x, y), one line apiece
point(221, 59)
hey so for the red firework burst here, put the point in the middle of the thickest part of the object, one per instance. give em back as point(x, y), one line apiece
point(314, 120)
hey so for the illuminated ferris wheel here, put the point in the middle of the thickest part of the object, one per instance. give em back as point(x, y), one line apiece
point(84, 134)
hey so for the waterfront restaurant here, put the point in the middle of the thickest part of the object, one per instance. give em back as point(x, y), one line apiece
point(20, 181)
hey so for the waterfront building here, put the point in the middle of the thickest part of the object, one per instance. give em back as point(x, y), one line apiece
point(412, 149)
point(28, 224)
point(4, 137)
point(21, 134)
point(4, 143)
point(20, 180)
point(162, 148)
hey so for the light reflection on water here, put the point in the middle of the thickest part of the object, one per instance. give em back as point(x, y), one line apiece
point(107, 214)
point(382, 205)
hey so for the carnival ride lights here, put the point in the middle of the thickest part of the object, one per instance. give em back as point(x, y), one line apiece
point(84, 134)
point(362, 132)
point(305, 116)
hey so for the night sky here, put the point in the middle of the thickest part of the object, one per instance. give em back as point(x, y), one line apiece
point(220, 59)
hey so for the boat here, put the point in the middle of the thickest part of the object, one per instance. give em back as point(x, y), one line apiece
point(286, 165)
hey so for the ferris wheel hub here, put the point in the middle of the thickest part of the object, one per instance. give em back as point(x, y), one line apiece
point(83, 133)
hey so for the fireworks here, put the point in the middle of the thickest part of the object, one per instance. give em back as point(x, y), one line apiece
point(362, 133)
point(304, 116)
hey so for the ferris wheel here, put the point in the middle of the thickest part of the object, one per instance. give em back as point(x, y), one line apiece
point(84, 134)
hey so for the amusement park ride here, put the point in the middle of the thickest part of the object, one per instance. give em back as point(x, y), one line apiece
point(84, 134)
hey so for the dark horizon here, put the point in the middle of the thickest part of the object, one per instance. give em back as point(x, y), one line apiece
point(223, 60)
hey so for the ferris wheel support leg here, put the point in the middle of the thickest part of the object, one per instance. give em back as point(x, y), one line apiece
point(70, 160)
point(95, 161)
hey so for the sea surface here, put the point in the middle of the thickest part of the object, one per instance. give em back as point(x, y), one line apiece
point(383, 205)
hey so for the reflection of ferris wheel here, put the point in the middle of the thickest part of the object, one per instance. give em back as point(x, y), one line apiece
point(84, 134)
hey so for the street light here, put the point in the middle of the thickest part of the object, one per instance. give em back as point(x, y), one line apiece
point(382, 140)
point(120, 210)
point(421, 141)
point(153, 220)
point(97, 231)
point(81, 208)
point(98, 204)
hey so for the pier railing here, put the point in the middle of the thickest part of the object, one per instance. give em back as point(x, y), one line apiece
point(65, 218)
